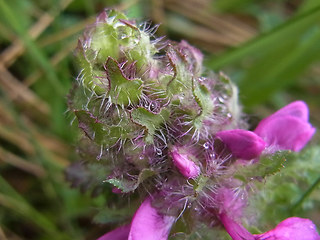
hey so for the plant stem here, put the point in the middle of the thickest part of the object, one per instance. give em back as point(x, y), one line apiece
point(305, 195)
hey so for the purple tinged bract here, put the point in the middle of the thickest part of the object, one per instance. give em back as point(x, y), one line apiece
point(288, 128)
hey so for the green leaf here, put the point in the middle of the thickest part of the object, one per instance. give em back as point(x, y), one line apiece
point(292, 60)
point(116, 15)
point(91, 126)
point(182, 79)
point(273, 60)
point(105, 38)
point(38, 56)
point(126, 185)
point(98, 131)
point(105, 42)
point(110, 215)
point(204, 100)
point(151, 121)
point(289, 193)
point(266, 42)
point(308, 5)
point(88, 177)
point(123, 91)
point(143, 51)
point(268, 165)
point(90, 77)
point(11, 199)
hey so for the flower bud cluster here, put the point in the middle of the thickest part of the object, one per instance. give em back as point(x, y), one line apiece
point(156, 122)
point(139, 99)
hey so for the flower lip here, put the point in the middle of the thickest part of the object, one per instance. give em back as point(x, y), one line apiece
point(288, 128)
point(297, 109)
point(293, 228)
point(147, 223)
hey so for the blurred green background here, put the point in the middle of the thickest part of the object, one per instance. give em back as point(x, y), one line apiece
point(271, 49)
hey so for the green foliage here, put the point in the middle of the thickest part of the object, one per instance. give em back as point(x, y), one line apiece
point(276, 58)
point(202, 96)
point(14, 200)
point(277, 197)
point(88, 177)
point(267, 165)
point(113, 215)
point(182, 78)
point(151, 121)
point(89, 76)
point(129, 185)
point(38, 56)
point(93, 128)
point(122, 91)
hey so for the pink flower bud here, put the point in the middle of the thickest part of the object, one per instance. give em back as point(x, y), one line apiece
point(185, 165)
point(242, 143)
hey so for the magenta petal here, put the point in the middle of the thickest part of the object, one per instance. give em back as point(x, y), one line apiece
point(293, 228)
point(297, 109)
point(235, 230)
point(242, 143)
point(147, 223)
point(187, 167)
point(288, 128)
point(285, 132)
point(120, 233)
point(229, 202)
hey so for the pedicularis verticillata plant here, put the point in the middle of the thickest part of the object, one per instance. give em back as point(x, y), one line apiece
point(156, 123)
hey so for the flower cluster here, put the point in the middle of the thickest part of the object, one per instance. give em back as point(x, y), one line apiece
point(157, 123)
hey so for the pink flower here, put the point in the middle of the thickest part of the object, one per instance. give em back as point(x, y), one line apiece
point(242, 143)
point(147, 223)
point(293, 228)
point(120, 233)
point(288, 128)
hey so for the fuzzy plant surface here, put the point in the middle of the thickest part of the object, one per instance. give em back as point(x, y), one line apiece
point(160, 129)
